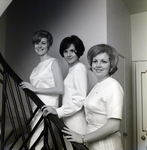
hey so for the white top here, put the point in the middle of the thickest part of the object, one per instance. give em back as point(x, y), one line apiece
point(42, 77)
point(75, 92)
point(103, 102)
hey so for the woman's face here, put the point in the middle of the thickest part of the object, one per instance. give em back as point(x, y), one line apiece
point(101, 66)
point(70, 55)
point(41, 47)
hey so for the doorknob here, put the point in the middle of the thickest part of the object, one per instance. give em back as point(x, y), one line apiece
point(125, 134)
point(143, 137)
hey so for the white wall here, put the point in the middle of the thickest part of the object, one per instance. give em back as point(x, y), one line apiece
point(86, 19)
point(119, 36)
point(94, 21)
point(139, 53)
point(3, 5)
point(139, 36)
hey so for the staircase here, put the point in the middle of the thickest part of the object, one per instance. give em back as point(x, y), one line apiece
point(17, 115)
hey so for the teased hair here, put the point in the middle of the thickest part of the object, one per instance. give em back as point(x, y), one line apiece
point(103, 48)
point(76, 41)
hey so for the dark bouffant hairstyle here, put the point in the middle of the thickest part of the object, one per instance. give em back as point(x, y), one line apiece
point(76, 41)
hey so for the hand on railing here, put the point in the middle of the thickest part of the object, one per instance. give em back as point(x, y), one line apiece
point(48, 110)
point(27, 85)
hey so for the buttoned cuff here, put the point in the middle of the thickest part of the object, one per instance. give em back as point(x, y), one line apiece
point(60, 112)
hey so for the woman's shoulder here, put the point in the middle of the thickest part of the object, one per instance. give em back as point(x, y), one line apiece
point(52, 59)
point(80, 65)
point(55, 62)
point(80, 68)
point(113, 81)
point(114, 84)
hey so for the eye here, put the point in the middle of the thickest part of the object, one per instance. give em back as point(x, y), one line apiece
point(104, 61)
point(73, 51)
point(44, 42)
point(94, 61)
point(65, 51)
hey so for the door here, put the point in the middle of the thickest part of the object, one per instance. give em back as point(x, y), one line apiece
point(141, 97)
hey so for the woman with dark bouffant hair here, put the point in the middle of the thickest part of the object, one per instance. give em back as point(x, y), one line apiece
point(45, 80)
point(75, 87)
point(104, 104)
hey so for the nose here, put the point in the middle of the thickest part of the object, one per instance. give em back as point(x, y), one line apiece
point(39, 44)
point(98, 64)
point(68, 53)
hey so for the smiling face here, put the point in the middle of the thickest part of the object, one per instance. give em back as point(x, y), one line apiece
point(41, 47)
point(70, 55)
point(101, 66)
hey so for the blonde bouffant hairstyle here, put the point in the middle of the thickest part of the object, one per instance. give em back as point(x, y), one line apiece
point(104, 48)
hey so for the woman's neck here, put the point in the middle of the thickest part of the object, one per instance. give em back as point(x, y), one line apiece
point(73, 64)
point(44, 57)
point(102, 79)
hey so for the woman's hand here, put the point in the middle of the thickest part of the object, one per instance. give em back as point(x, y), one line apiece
point(72, 136)
point(48, 110)
point(27, 85)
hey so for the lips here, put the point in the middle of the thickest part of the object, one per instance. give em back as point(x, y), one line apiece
point(69, 59)
point(40, 49)
point(98, 70)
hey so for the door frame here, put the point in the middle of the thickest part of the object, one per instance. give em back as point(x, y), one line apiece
point(123, 128)
point(136, 114)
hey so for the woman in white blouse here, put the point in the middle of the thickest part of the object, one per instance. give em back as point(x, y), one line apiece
point(75, 87)
point(45, 80)
point(104, 104)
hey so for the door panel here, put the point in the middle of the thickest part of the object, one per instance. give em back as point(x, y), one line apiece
point(141, 91)
point(144, 101)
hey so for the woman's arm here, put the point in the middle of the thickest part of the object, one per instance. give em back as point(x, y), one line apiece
point(78, 93)
point(112, 126)
point(108, 129)
point(56, 90)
